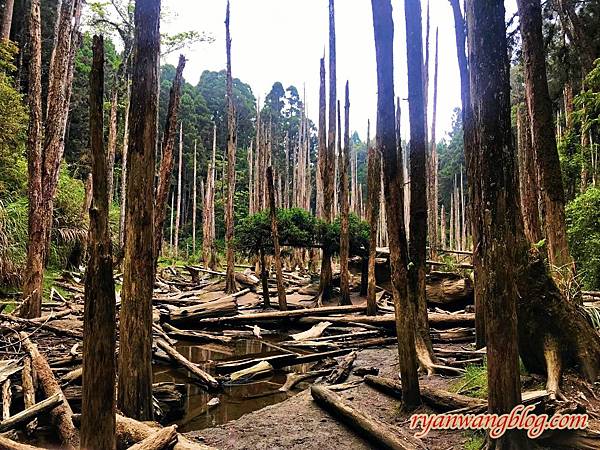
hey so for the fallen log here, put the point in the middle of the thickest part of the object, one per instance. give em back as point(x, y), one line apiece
point(30, 323)
point(389, 320)
point(342, 371)
point(28, 390)
point(6, 399)
point(314, 332)
point(444, 288)
point(31, 413)
point(203, 376)
point(261, 368)
point(436, 398)
point(378, 432)
point(282, 315)
point(292, 379)
point(195, 336)
point(163, 438)
point(223, 306)
point(9, 444)
point(62, 414)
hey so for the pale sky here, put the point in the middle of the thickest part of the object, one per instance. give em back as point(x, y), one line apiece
point(283, 40)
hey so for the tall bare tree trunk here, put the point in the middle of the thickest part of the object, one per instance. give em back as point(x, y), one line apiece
point(373, 204)
point(99, 326)
point(393, 184)
point(418, 183)
point(44, 163)
point(528, 179)
point(544, 138)
point(194, 199)
point(281, 295)
point(179, 200)
point(491, 106)
point(208, 216)
point(230, 283)
point(345, 207)
point(112, 138)
point(124, 169)
point(470, 145)
point(433, 165)
point(6, 20)
point(166, 162)
point(135, 321)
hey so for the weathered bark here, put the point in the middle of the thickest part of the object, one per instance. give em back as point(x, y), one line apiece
point(179, 199)
point(394, 200)
point(124, 169)
point(490, 100)
point(195, 198)
point(418, 181)
point(544, 139)
point(230, 283)
point(275, 236)
point(28, 390)
point(99, 326)
point(112, 139)
point(135, 345)
point(470, 145)
point(528, 179)
point(208, 213)
point(432, 161)
point(162, 439)
point(344, 159)
point(45, 152)
point(166, 163)
point(203, 376)
point(61, 415)
point(374, 199)
point(328, 181)
point(6, 20)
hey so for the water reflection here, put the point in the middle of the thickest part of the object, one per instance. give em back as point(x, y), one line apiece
point(235, 400)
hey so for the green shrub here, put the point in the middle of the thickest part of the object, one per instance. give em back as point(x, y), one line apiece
point(583, 228)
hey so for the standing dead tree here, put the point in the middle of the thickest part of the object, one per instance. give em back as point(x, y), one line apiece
point(6, 24)
point(99, 367)
point(373, 204)
point(179, 196)
point(195, 198)
point(166, 163)
point(45, 144)
point(418, 184)
point(388, 146)
point(433, 166)
point(230, 283)
point(135, 345)
point(275, 236)
point(208, 214)
point(344, 159)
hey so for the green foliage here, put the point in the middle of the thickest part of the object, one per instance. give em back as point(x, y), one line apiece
point(298, 228)
point(473, 382)
point(475, 441)
point(451, 157)
point(13, 115)
point(583, 228)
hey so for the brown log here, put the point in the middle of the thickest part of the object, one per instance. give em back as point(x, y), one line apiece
point(6, 399)
point(344, 164)
point(378, 432)
point(444, 288)
point(195, 336)
point(281, 294)
point(8, 444)
point(342, 371)
point(220, 307)
point(31, 413)
point(28, 389)
point(203, 376)
point(30, 323)
point(388, 320)
point(62, 415)
point(163, 438)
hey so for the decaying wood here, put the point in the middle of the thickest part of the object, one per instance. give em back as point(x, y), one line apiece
point(220, 307)
point(342, 371)
point(31, 413)
point(28, 389)
point(163, 438)
point(203, 376)
point(61, 414)
point(292, 379)
point(6, 399)
point(388, 320)
point(443, 288)
point(314, 332)
point(381, 434)
point(258, 369)
point(30, 323)
point(8, 444)
point(195, 336)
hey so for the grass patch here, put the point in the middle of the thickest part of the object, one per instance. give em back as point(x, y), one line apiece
point(475, 441)
point(473, 382)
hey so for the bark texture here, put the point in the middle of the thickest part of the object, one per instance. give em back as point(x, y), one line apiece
point(99, 367)
point(394, 200)
point(374, 199)
point(6, 24)
point(208, 214)
point(345, 206)
point(135, 345)
point(281, 295)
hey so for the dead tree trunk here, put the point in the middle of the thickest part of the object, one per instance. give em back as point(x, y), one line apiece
point(327, 180)
point(99, 368)
point(166, 163)
point(230, 283)
point(275, 236)
point(490, 99)
point(528, 180)
point(112, 138)
point(345, 209)
point(322, 150)
point(544, 138)
point(433, 166)
point(124, 169)
point(208, 216)
point(135, 345)
point(194, 199)
point(374, 194)
point(178, 204)
point(45, 152)
point(6, 20)
point(393, 184)
point(418, 183)
point(470, 145)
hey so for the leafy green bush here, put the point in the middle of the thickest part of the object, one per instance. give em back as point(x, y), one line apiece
point(583, 228)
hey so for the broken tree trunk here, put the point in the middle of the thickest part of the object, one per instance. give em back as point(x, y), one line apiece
point(99, 325)
point(230, 283)
point(31, 413)
point(379, 433)
point(344, 159)
point(203, 376)
point(275, 236)
point(61, 415)
point(178, 204)
point(161, 439)
point(374, 194)
point(135, 348)
point(208, 212)
point(394, 199)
